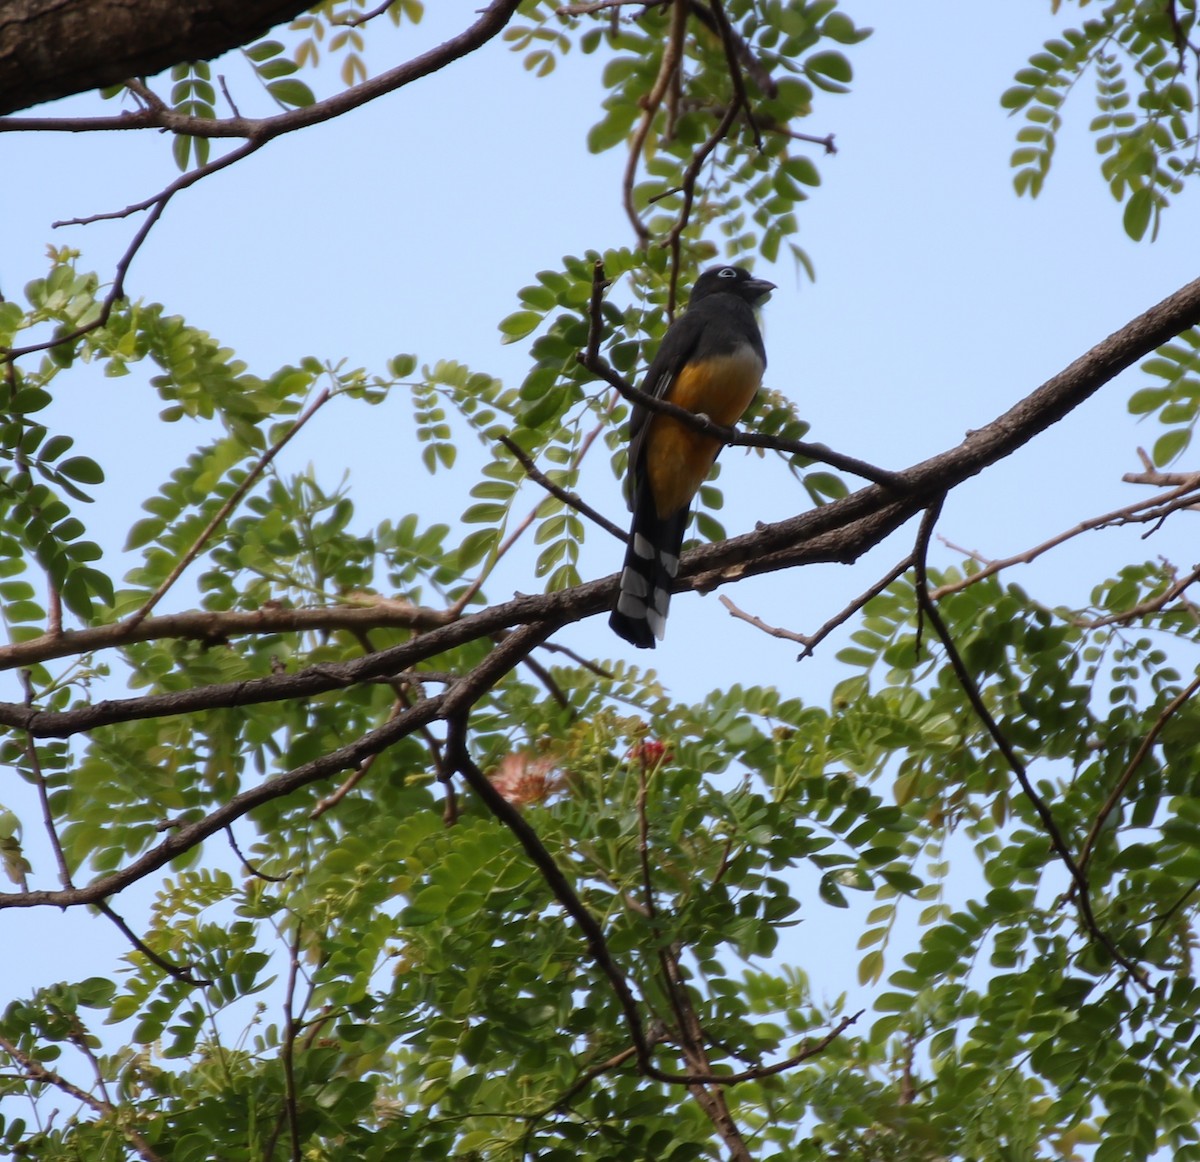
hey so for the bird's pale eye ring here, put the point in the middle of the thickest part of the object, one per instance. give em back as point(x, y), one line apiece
point(728, 272)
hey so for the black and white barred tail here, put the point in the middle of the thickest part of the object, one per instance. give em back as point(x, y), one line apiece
point(651, 562)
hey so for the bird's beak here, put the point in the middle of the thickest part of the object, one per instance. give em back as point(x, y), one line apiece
point(760, 287)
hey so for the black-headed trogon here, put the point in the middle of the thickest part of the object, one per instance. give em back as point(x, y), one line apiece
point(711, 362)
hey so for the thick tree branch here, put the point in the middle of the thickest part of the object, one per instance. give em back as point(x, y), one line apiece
point(26, 32)
point(49, 49)
point(215, 628)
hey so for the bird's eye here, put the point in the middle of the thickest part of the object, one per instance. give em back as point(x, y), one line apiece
point(728, 272)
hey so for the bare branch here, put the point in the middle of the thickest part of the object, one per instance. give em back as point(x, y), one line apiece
point(758, 623)
point(812, 641)
point(1142, 510)
point(568, 498)
point(214, 627)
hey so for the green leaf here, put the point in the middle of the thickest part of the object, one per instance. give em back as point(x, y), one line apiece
point(291, 92)
point(1170, 445)
point(519, 324)
point(82, 469)
point(1139, 211)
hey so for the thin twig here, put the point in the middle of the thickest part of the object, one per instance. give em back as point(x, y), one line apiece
point(356, 776)
point(599, 5)
point(182, 973)
point(751, 63)
point(758, 623)
point(600, 283)
point(579, 660)
point(469, 593)
point(288, 1048)
point(671, 57)
point(234, 500)
point(39, 777)
point(674, 239)
point(813, 640)
point(37, 1072)
point(729, 44)
point(116, 291)
point(1119, 516)
point(256, 872)
point(354, 19)
point(228, 95)
point(1126, 776)
point(826, 142)
point(568, 498)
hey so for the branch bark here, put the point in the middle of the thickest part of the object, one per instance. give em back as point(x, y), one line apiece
point(49, 49)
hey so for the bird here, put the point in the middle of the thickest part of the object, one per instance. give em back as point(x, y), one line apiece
point(711, 362)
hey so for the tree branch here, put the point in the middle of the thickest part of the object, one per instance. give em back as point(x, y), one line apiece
point(223, 512)
point(838, 531)
point(733, 436)
point(1142, 510)
point(491, 22)
point(568, 498)
point(1126, 777)
point(216, 627)
point(969, 687)
point(192, 834)
point(49, 49)
point(35, 1071)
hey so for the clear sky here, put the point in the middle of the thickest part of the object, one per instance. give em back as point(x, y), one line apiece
point(941, 299)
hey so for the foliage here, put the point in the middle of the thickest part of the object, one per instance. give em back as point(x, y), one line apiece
point(359, 946)
point(1143, 57)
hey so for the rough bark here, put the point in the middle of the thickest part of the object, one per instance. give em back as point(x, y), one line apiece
point(53, 48)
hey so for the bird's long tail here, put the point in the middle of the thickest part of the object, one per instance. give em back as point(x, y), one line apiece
point(651, 562)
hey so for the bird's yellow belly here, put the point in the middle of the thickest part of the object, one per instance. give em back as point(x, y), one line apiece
point(679, 458)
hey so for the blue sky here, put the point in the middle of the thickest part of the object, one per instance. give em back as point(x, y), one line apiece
point(940, 300)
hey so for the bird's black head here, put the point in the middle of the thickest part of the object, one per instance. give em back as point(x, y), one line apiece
point(732, 280)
